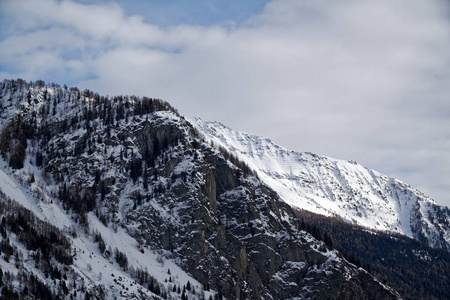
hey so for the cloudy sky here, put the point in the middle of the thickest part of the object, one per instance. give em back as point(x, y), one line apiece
point(361, 80)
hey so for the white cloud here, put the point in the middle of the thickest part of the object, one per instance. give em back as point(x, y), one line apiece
point(363, 80)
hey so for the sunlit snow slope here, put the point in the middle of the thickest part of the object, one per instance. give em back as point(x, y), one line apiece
point(336, 188)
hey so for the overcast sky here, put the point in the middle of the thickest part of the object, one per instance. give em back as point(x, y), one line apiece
point(361, 80)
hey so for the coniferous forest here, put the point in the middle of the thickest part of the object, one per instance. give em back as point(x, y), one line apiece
point(413, 269)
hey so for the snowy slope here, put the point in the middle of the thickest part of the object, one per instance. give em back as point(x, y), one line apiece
point(91, 270)
point(334, 187)
point(12, 189)
point(125, 200)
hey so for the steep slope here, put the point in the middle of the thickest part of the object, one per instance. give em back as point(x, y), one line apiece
point(138, 192)
point(415, 270)
point(334, 187)
point(46, 255)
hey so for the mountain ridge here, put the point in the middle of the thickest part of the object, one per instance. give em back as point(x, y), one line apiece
point(336, 188)
point(149, 208)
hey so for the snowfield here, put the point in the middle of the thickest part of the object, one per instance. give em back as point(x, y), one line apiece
point(332, 187)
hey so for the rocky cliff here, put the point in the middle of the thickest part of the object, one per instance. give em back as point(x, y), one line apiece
point(134, 168)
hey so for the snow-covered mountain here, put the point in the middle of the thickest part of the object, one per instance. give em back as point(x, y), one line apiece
point(122, 198)
point(89, 271)
point(334, 187)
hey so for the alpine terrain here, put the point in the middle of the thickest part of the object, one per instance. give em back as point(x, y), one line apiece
point(334, 187)
point(123, 198)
